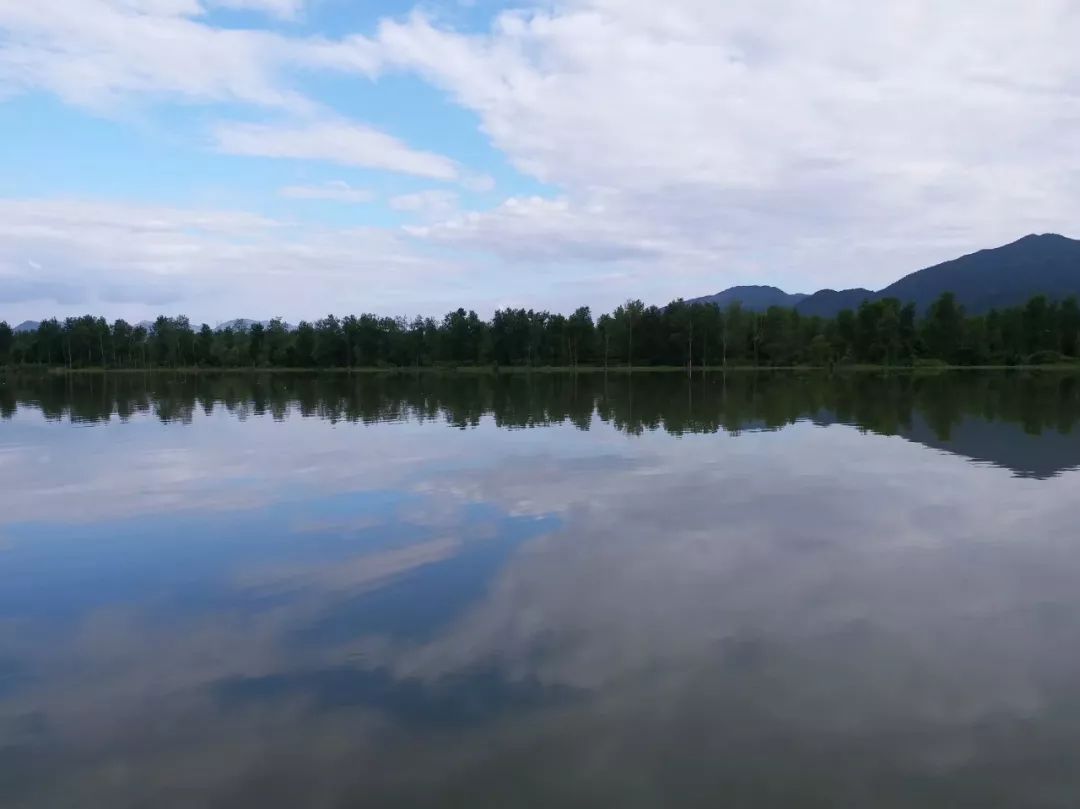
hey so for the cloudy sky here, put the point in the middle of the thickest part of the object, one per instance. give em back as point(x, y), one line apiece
point(254, 158)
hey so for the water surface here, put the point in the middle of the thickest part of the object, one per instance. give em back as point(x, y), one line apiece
point(540, 590)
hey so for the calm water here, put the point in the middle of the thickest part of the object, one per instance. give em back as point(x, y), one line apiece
point(758, 591)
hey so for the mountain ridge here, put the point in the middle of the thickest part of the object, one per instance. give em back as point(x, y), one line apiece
point(754, 297)
point(245, 324)
point(996, 277)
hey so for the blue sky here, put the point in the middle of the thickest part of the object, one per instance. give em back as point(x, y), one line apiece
point(254, 158)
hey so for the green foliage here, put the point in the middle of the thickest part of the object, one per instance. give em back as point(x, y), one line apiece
point(883, 332)
point(1050, 357)
point(7, 341)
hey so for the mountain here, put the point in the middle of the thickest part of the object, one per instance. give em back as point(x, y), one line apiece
point(1000, 277)
point(238, 324)
point(754, 298)
point(827, 302)
point(1004, 276)
point(243, 324)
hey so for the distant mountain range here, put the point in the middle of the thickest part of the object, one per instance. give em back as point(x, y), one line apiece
point(239, 324)
point(1010, 275)
point(243, 324)
point(1046, 264)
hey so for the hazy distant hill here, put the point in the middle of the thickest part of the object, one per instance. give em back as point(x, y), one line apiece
point(754, 298)
point(236, 325)
point(827, 302)
point(243, 324)
point(1003, 276)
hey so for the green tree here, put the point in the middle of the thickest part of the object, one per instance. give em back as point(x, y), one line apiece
point(7, 342)
point(943, 328)
point(626, 318)
point(889, 334)
point(845, 336)
point(204, 346)
point(1069, 327)
point(581, 335)
point(256, 343)
point(303, 355)
point(277, 342)
point(820, 351)
point(1039, 324)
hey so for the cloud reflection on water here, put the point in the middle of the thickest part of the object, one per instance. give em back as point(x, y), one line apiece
point(810, 616)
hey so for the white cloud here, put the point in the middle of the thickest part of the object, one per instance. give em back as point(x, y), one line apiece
point(433, 202)
point(836, 144)
point(96, 53)
point(166, 8)
point(333, 191)
point(347, 144)
point(137, 261)
point(540, 228)
point(842, 142)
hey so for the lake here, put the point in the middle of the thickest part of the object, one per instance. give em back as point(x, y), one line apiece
point(540, 590)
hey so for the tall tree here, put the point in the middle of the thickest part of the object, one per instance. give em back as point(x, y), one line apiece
point(7, 340)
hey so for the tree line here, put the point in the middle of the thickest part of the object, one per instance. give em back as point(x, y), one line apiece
point(884, 332)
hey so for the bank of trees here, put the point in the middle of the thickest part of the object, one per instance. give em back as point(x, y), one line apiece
point(884, 332)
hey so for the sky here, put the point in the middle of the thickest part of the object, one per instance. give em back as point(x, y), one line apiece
point(294, 158)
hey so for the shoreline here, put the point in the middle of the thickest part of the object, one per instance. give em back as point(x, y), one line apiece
point(491, 370)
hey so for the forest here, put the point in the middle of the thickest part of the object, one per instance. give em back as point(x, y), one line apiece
point(884, 333)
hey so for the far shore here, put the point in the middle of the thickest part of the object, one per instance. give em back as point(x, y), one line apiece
point(545, 369)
